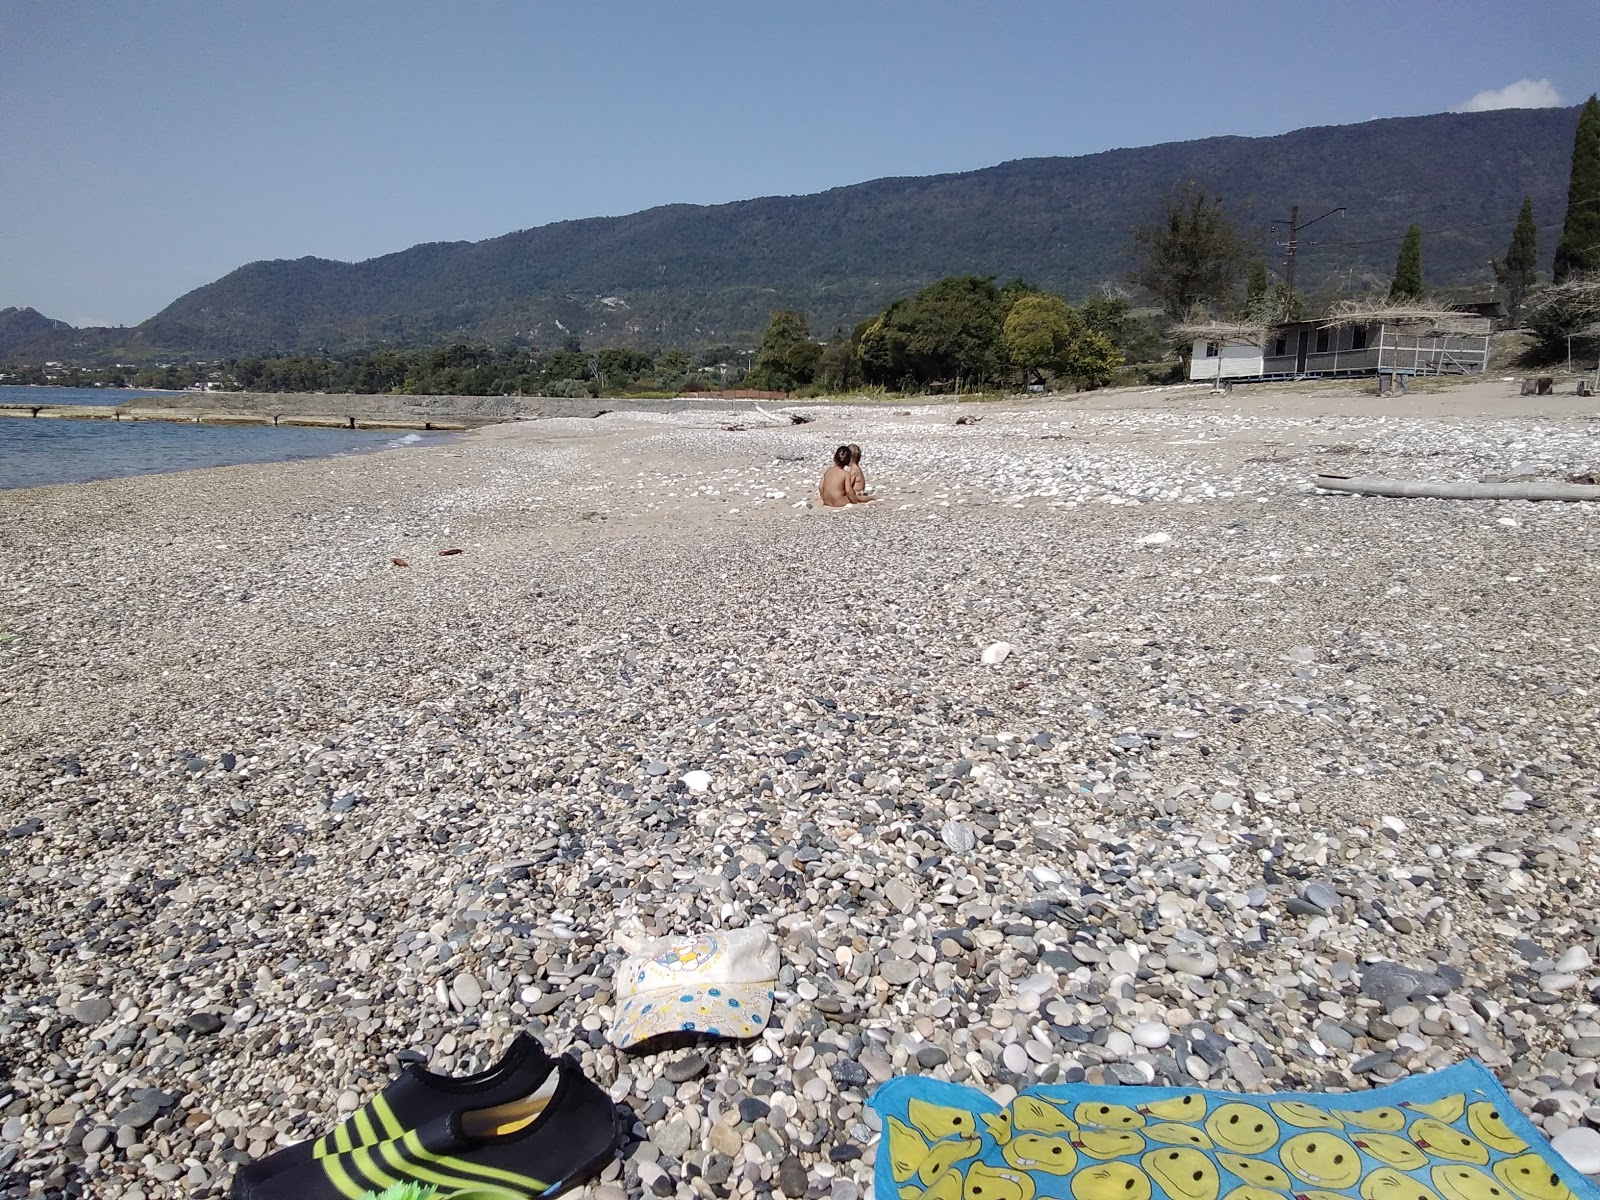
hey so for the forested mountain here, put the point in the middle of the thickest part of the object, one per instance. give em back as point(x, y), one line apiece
point(21, 326)
point(689, 275)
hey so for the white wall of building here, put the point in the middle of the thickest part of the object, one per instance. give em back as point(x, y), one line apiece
point(1238, 361)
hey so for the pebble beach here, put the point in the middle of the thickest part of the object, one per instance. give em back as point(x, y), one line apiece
point(1102, 747)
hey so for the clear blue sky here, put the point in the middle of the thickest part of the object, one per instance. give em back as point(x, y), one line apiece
point(146, 149)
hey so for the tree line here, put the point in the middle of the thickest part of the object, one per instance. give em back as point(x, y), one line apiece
point(963, 333)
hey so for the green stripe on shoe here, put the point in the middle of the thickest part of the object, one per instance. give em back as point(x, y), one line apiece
point(365, 1134)
point(476, 1171)
point(333, 1168)
point(363, 1159)
point(386, 1118)
point(395, 1157)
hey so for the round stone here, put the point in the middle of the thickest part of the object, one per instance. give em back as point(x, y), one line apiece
point(1152, 1035)
point(1202, 963)
point(92, 1010)
point(1580, 1146)
point(1119, 1043)
point(467, 990)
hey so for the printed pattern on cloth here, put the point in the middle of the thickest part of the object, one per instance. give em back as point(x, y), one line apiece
point(1450, 1135)
point(736, 1010)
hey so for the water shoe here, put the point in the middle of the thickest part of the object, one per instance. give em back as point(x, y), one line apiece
point(415, 1098)
point(541, 1144)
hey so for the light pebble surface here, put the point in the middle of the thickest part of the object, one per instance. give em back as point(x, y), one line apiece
point(1301, 795)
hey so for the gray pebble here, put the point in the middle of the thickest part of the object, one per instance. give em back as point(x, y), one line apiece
point(91, 1011)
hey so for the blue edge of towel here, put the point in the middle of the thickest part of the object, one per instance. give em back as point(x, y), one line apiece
point(1469, 1078)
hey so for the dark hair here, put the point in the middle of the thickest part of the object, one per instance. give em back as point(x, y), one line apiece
point(841, 456)
point(855, 453)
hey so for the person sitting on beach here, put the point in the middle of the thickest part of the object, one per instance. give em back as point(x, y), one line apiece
point(856, 481)
point(835, 485)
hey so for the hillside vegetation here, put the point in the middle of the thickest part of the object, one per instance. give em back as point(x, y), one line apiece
point(690, 276)
point(22, 326)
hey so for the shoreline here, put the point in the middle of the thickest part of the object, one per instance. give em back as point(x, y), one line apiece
point(359, 410)
point(277, 809)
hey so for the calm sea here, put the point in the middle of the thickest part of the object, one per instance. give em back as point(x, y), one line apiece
point(35, 452)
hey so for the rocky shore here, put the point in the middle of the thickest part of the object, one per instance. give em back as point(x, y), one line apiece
point(1271, 789)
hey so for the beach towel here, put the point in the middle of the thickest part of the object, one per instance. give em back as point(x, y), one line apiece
point(1450, 1135)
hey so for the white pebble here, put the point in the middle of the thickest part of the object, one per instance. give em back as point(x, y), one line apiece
point(1580, 1147)
point(1574, 960)
point(1152, 1035)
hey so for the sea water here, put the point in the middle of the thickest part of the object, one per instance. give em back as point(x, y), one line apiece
point(36, 451)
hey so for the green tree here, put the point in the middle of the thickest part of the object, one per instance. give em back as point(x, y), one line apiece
point(788, 357)
point(1579, 248)
point(1516, 271)
point(882, 348)
point(1040, 333)
point(1280, 306)
point(1013, 291)
point(1094, 361)
point(949, 332)
point(840, 368)
point(1255, 292)
point(1191, 256)
point(1136, 339)
point(1407, 283)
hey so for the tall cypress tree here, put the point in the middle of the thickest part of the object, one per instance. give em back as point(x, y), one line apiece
point(1579, 247)
point(1516, 270)
point(1407, 283)
point(1255, 296)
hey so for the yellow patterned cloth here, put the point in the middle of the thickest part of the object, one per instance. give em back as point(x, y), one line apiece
point(1450, 1135)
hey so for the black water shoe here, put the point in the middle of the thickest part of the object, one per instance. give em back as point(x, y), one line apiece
point(417, 1097)
point(541, 1144)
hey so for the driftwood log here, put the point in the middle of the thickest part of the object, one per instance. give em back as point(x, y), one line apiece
point(1435, 490)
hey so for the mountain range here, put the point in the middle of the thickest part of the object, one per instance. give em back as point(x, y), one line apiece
point(692, 275)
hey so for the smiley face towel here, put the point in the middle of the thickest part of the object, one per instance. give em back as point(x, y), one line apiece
point(1450, 1135)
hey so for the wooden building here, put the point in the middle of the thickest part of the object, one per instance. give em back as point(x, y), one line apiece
point(1349, 344)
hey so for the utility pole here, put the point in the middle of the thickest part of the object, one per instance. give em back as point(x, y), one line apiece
point(1294, 240)
point(1294, 244)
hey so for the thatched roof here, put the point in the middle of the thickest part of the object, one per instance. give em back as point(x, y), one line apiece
point(1221, 331)
point(1576, 289)
point(1382, 312)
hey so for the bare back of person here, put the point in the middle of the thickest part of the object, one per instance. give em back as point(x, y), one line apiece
point(856, 478)
point(835, 486)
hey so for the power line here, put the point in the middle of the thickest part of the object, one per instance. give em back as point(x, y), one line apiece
point(1427, 232)
point(1446, 229)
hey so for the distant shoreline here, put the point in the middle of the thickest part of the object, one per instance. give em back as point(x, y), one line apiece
point(448, 414)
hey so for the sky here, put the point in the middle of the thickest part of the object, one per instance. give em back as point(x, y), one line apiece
point(147, 149)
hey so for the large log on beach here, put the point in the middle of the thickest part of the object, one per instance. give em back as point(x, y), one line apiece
point(1439, 490)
